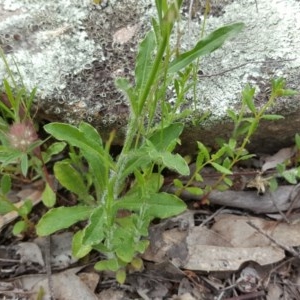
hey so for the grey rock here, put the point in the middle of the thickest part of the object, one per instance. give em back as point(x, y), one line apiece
point(73, 52)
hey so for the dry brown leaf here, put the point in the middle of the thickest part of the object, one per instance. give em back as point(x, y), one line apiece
point(212, 258)
point(239, 233)
point(66, 285)
point(229, 243)
point(281, 156)
point(61, 249)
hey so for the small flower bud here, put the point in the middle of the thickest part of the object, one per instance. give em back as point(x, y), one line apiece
point(22, 135)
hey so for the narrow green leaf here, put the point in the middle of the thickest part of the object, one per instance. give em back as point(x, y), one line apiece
point(232, 144)
point(222, 187)
point(297, 140)
point(207, 45)
point(194, 190)
point(144, 61)
point(24, 164)
point(203, 150)
point(9, 93)
point(219, 153)
point(248, 94)
point(232, 115)
point(272, 117)
point(60, 218)
point(221, 169)
point(246, 157)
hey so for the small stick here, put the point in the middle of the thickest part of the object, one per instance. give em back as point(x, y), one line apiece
point(48, 267)
point(288, 249)
point(240, 66)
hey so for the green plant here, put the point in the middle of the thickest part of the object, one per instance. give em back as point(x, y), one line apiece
point(246, 123)
point(21, 156)
point(120, 197)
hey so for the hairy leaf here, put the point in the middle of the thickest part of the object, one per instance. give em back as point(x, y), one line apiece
point(60, 218)
point(156, 205)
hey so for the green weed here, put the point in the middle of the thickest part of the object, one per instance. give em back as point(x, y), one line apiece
point(119, 197)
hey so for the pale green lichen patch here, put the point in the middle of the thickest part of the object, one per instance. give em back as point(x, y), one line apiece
point(45, 40)
point(268, 47)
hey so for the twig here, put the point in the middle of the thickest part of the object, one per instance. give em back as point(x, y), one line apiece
point(284, 217)
point(212, 216)
point(48, 267)
point(242, 65)
point(295, 196)
point(288, 249)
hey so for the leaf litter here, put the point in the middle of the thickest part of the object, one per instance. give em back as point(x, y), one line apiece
point(244, 243)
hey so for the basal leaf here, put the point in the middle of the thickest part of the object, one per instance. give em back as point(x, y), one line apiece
point(94, 232)
point(60, 218)
point(156, 205)
point(96, 156)
point(78, 249)
point(70, 178)
point(91, 135)
point(207, 45)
